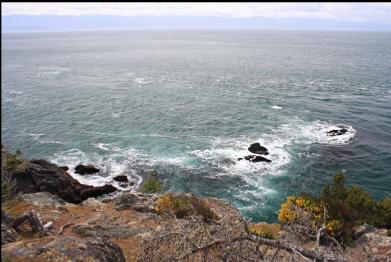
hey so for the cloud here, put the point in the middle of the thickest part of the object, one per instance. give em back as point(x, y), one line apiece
point(355, 12)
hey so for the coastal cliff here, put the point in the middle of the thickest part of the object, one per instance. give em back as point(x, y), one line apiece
point(53, 217)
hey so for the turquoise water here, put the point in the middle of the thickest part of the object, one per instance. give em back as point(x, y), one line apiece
point(189, 103)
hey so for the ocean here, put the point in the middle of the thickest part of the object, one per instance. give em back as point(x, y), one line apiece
point(188, 103)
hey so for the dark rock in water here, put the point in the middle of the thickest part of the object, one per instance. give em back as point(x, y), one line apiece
point(42, 176)
point(121, 179)
point(255, 159)
point(67, 248)
point(240, 158)
point(337, 132)
point(228, 161)
point(65, 168)
point(82, 169)
point(256, 148)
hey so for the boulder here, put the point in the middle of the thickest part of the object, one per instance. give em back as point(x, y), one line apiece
point(42, 176)
point(256, 148)
point(363, 229)
point(43, 199)
point(255, 159)
point(337, 132)
point(121, 179)
point(105, 231)
point(61, 248)
point(89, 169)
point(137, 201)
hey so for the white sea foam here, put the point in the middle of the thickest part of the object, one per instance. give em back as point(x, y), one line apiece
point(108, 164)
point(276, 107)
point(51, 142)
point(224, 152)
point(13, 92)
point(36, 135)
point(316, 132)
point(141, 80)
point(52, 71)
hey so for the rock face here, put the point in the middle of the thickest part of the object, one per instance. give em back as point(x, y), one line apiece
point(65, 168)
point(82, 169)
point(337, 132)
point(256, 148)
point(126, 228)
point(255, 159)
point(126, 221)
point(64, 249)
point(42, 176)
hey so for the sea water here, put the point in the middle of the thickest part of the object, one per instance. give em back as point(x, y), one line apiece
point(189, 103)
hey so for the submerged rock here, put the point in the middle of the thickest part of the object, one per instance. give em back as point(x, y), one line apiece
point(89, 169)
point(337, 132)
point(255, 159)
point(256, 148)
point(121, 179)
point(41, 176)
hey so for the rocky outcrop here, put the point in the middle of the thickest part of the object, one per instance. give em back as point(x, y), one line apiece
point(337, 132)
point(89, 169)
point(127, 227)
point(256, 148)
point(41, 176)
point(63, 249)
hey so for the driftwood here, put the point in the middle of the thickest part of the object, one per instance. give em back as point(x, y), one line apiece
point(312, 254)
point(35, 222)
point(32, 218)
point(64, 226)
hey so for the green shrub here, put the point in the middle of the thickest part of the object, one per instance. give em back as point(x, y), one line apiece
point(264, 230)
point(8, 162)
point(344, 208)
point(184, 205)
point(6, 189)
point(151, 184)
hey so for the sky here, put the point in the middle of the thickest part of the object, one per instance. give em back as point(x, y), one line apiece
point(59, 16)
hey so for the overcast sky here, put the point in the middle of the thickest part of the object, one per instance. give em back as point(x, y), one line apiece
point(349, 12)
